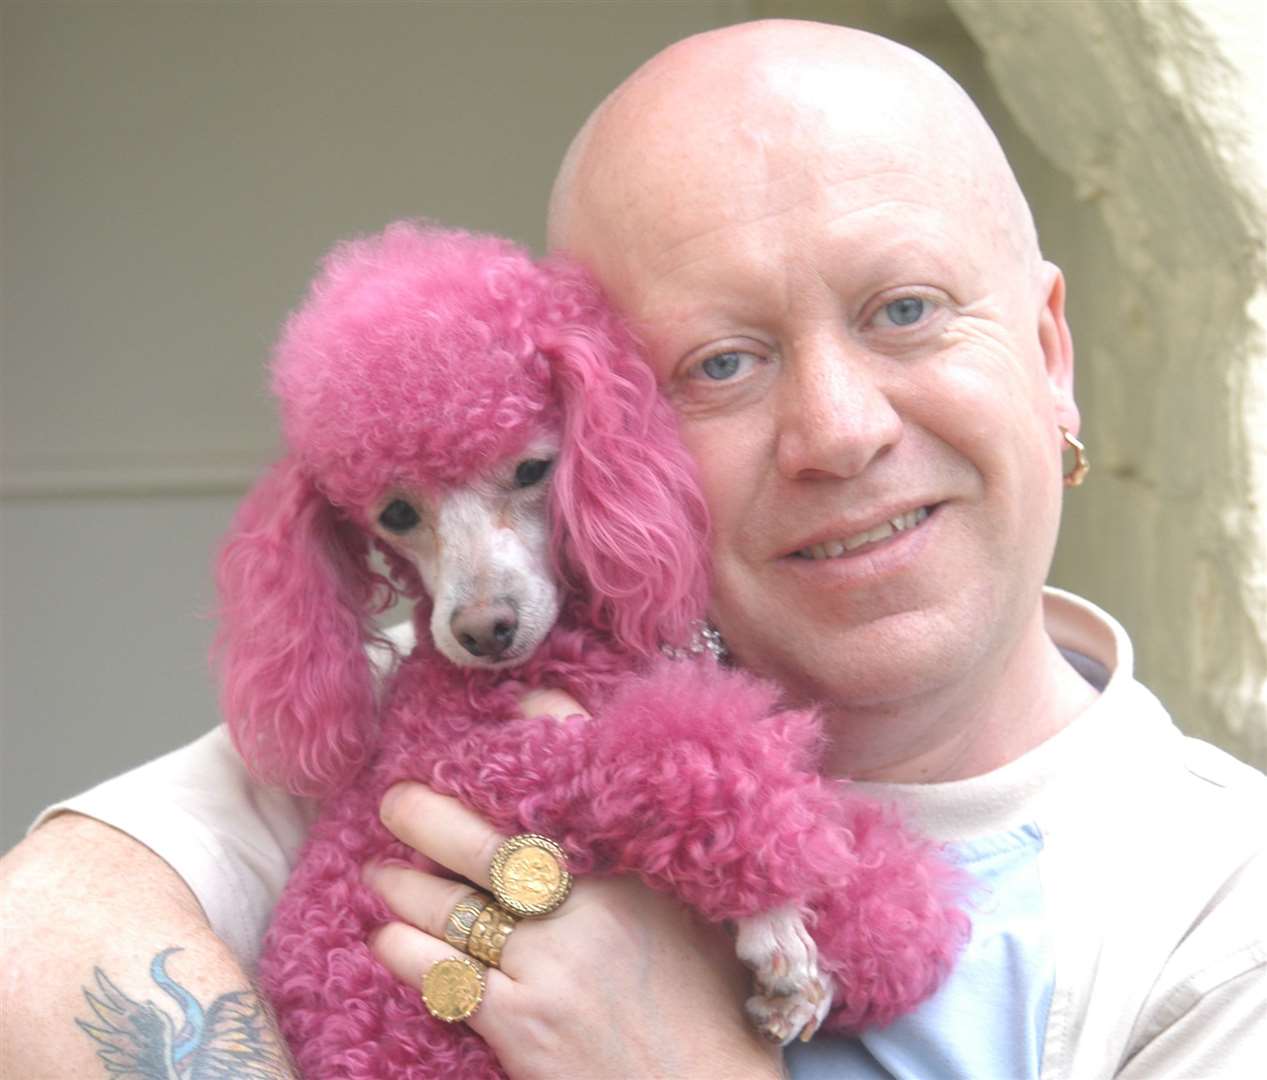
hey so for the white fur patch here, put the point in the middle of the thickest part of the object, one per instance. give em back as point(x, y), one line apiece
point(792, 997)
point(488, 551)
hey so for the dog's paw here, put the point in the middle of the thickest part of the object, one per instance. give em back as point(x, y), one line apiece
point(782, 1019)
point(792, 997)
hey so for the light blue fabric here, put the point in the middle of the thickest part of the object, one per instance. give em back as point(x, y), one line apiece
point(989, 1019)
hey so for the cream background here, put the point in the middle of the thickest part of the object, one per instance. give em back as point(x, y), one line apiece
point(171, 172)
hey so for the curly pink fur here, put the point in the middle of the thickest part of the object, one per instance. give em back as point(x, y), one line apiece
point(297, 601)
point(423, 357)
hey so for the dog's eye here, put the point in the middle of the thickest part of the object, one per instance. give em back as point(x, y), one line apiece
point(531, 472)
point(398, 516)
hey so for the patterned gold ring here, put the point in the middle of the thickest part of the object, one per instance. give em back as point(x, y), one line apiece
point(529, 875)
point(457, 927)
point(453, 988)
point(488, 936)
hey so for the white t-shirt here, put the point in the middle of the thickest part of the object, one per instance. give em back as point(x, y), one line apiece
point(1120, 927)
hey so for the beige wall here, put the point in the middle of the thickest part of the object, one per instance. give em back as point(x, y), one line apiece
point(172, 171)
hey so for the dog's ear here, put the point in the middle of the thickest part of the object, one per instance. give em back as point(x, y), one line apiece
point(296, 596)
point(629, 520)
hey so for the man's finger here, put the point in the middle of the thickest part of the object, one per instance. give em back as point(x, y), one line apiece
point(441, 828)
point(422, 900)
point(409, 954)
point(550, 703)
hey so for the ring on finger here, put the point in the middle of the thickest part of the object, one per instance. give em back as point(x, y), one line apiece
point(457, 927)
point(453, 988)
point(488, 935)
point(529, 875)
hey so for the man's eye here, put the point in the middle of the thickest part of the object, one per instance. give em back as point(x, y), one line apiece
point(905, 312)
point(398, 516)
point(531, 472)
point(724, 366)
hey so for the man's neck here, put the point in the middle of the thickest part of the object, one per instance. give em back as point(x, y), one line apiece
point(976, 727)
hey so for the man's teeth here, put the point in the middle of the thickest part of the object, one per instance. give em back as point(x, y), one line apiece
point(834, 548)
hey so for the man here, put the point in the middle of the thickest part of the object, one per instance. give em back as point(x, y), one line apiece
point(839, 287)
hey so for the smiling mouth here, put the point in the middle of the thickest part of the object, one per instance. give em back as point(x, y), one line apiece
point(833, 549)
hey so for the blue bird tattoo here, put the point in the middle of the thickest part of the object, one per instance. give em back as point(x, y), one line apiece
point(230, 1039)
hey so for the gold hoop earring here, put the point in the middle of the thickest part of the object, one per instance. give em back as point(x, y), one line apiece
point(1081, 463)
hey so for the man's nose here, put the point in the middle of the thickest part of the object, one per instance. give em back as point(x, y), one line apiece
point(835, 413)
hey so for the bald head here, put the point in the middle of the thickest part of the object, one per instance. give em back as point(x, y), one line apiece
point(778, 107)
point(835, 279)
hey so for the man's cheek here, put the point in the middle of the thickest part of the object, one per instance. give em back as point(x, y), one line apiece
point(725, 485)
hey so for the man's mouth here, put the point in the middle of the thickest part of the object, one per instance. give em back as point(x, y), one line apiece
point(833, 549)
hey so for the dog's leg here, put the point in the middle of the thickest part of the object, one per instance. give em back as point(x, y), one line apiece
point(690, 777)
point(792, 996)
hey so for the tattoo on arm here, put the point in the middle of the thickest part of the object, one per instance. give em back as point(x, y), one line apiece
point(230, 1039)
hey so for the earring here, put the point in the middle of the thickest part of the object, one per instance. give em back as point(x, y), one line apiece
point(1081, 463)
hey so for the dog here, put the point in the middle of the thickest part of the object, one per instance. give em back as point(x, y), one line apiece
point(483, 421)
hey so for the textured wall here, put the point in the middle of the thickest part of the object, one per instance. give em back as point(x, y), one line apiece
point(1145, 107)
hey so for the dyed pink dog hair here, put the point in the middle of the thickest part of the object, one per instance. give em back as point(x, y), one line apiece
point(366, 372)
point(423, 358)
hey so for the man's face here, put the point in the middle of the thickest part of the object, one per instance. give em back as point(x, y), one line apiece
point(870, 377)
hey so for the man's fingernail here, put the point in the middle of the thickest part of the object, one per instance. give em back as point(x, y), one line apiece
point(390, 801)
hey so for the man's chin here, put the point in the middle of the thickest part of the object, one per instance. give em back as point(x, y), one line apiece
point(882, 662)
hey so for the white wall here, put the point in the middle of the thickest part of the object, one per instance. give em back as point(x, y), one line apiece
point(104, 638)
point(172, 172)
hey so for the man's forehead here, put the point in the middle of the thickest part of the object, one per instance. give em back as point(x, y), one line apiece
point(696, 284)
point(886, 210)
point(724, 168)
point(748, 122)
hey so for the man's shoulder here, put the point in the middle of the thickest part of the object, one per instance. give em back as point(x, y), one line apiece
point(1215, 875)
point(1157, 879)
point(1204, 792)
point(1223, 772)
point(1173, 820)
point(1220, 808)
point(231, 839)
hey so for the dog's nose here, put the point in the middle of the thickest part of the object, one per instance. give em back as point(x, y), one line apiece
point(485, 630)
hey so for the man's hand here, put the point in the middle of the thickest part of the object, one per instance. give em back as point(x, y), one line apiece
point(619, 982)
point(107, 963)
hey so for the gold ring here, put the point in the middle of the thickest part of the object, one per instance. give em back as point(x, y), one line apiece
point(453, 988)
point(457, 927)
point(489, 933)
point(530, 875)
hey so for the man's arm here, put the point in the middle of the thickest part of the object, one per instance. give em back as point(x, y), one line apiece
point(107, 957)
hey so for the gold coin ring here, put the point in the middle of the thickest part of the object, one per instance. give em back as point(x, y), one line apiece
point(488, 935)
point(453, 988)
point(457, 927)
point(530, 875)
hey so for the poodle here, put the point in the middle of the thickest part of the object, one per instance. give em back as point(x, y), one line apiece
point(483, 421)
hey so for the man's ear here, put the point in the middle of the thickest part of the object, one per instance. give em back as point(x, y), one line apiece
point(1057, 345)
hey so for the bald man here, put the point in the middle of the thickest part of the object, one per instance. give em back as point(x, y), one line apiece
point(840, 289)
point(847, 305)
